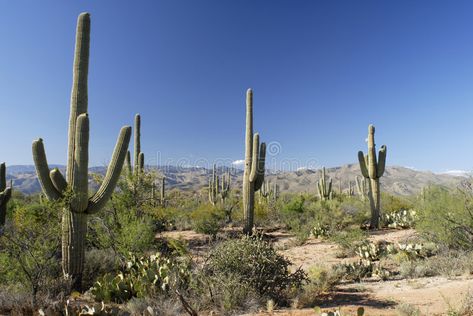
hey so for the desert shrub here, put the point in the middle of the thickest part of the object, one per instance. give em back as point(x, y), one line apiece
point(30, 251)
point(394, 203)
point(97, 263)
point(144, 276)
point(207, 220)
point(448, 263)
point(405, 309)
point(115, 227)
point(348, 240)
point(361, 269)
point(253, 264)
point(446, 217)
point(320, 281)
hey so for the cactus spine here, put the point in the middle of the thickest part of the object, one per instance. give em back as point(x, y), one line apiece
point(55, 186)
point(5, 194)
point(138, 156)
point(372, 168)
point(253, 175)
point(324, 188)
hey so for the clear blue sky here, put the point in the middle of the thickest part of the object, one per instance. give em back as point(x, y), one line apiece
point(321, 72)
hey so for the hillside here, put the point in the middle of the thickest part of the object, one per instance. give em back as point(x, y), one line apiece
point(397, 180)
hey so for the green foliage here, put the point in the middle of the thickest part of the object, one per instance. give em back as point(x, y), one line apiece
point(207, 220)
point(142, 276)
point(254, 264)
point(394, 203)
point(348, 240)
point(446, 217)
point(30, 248)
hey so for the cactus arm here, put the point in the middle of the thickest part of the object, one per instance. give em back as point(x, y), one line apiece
point(141, 162)
point(100, 198)
point(382, 161)
point(249, 130)
point(261, 166)
point(3, 172)
point(80, 181)
point(364, 169)
point(42, 170)
point(79, 94)
point(58, 180)
point(372, 162)
point(137, 144)
point(254, 158)
point(127, 162)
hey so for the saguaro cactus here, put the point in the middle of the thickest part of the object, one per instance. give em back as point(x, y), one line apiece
point(253, 175)
point(54, 185)
point(219, 187)
point(324, 188)
point(362, 187)
point(372, 168)
point(162, 200)
point(5, 194)
point(138, 156)
point(214, 187)
point(269, 192)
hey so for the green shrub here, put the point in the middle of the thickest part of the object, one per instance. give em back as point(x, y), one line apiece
point(207, 220)
point(30, 250)
point(446, 217)
point(255, 264)
point(348, 240)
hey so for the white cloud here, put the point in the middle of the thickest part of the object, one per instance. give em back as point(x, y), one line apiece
point(457, 173)
point(240, 162)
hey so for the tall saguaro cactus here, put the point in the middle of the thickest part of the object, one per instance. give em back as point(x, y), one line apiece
point(372, 168)
point(138, 156)
point(324, 188)
point(253, 175)
point(55, 186)
point(5, 194)
point(214, 187)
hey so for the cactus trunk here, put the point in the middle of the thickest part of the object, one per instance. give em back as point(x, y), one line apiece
point(253, 176)
point(54, 185)
point(5, 194)
point(74, 227)
point(372, 168)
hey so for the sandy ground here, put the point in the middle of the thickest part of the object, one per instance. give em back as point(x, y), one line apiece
point(432, 296)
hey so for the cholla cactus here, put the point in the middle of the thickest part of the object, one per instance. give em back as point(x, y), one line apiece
point(138, 156)
point(253, 176)
point(55, 186)
point(372, 168)
point(362, 187)
point(324, 188)
point(5, 194)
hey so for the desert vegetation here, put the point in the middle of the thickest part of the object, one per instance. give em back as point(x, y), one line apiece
point(126, 250)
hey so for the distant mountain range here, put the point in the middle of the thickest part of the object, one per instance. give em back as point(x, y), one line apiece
point(396, 180)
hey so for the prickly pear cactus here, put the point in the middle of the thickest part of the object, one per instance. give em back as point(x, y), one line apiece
point(53, 183)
